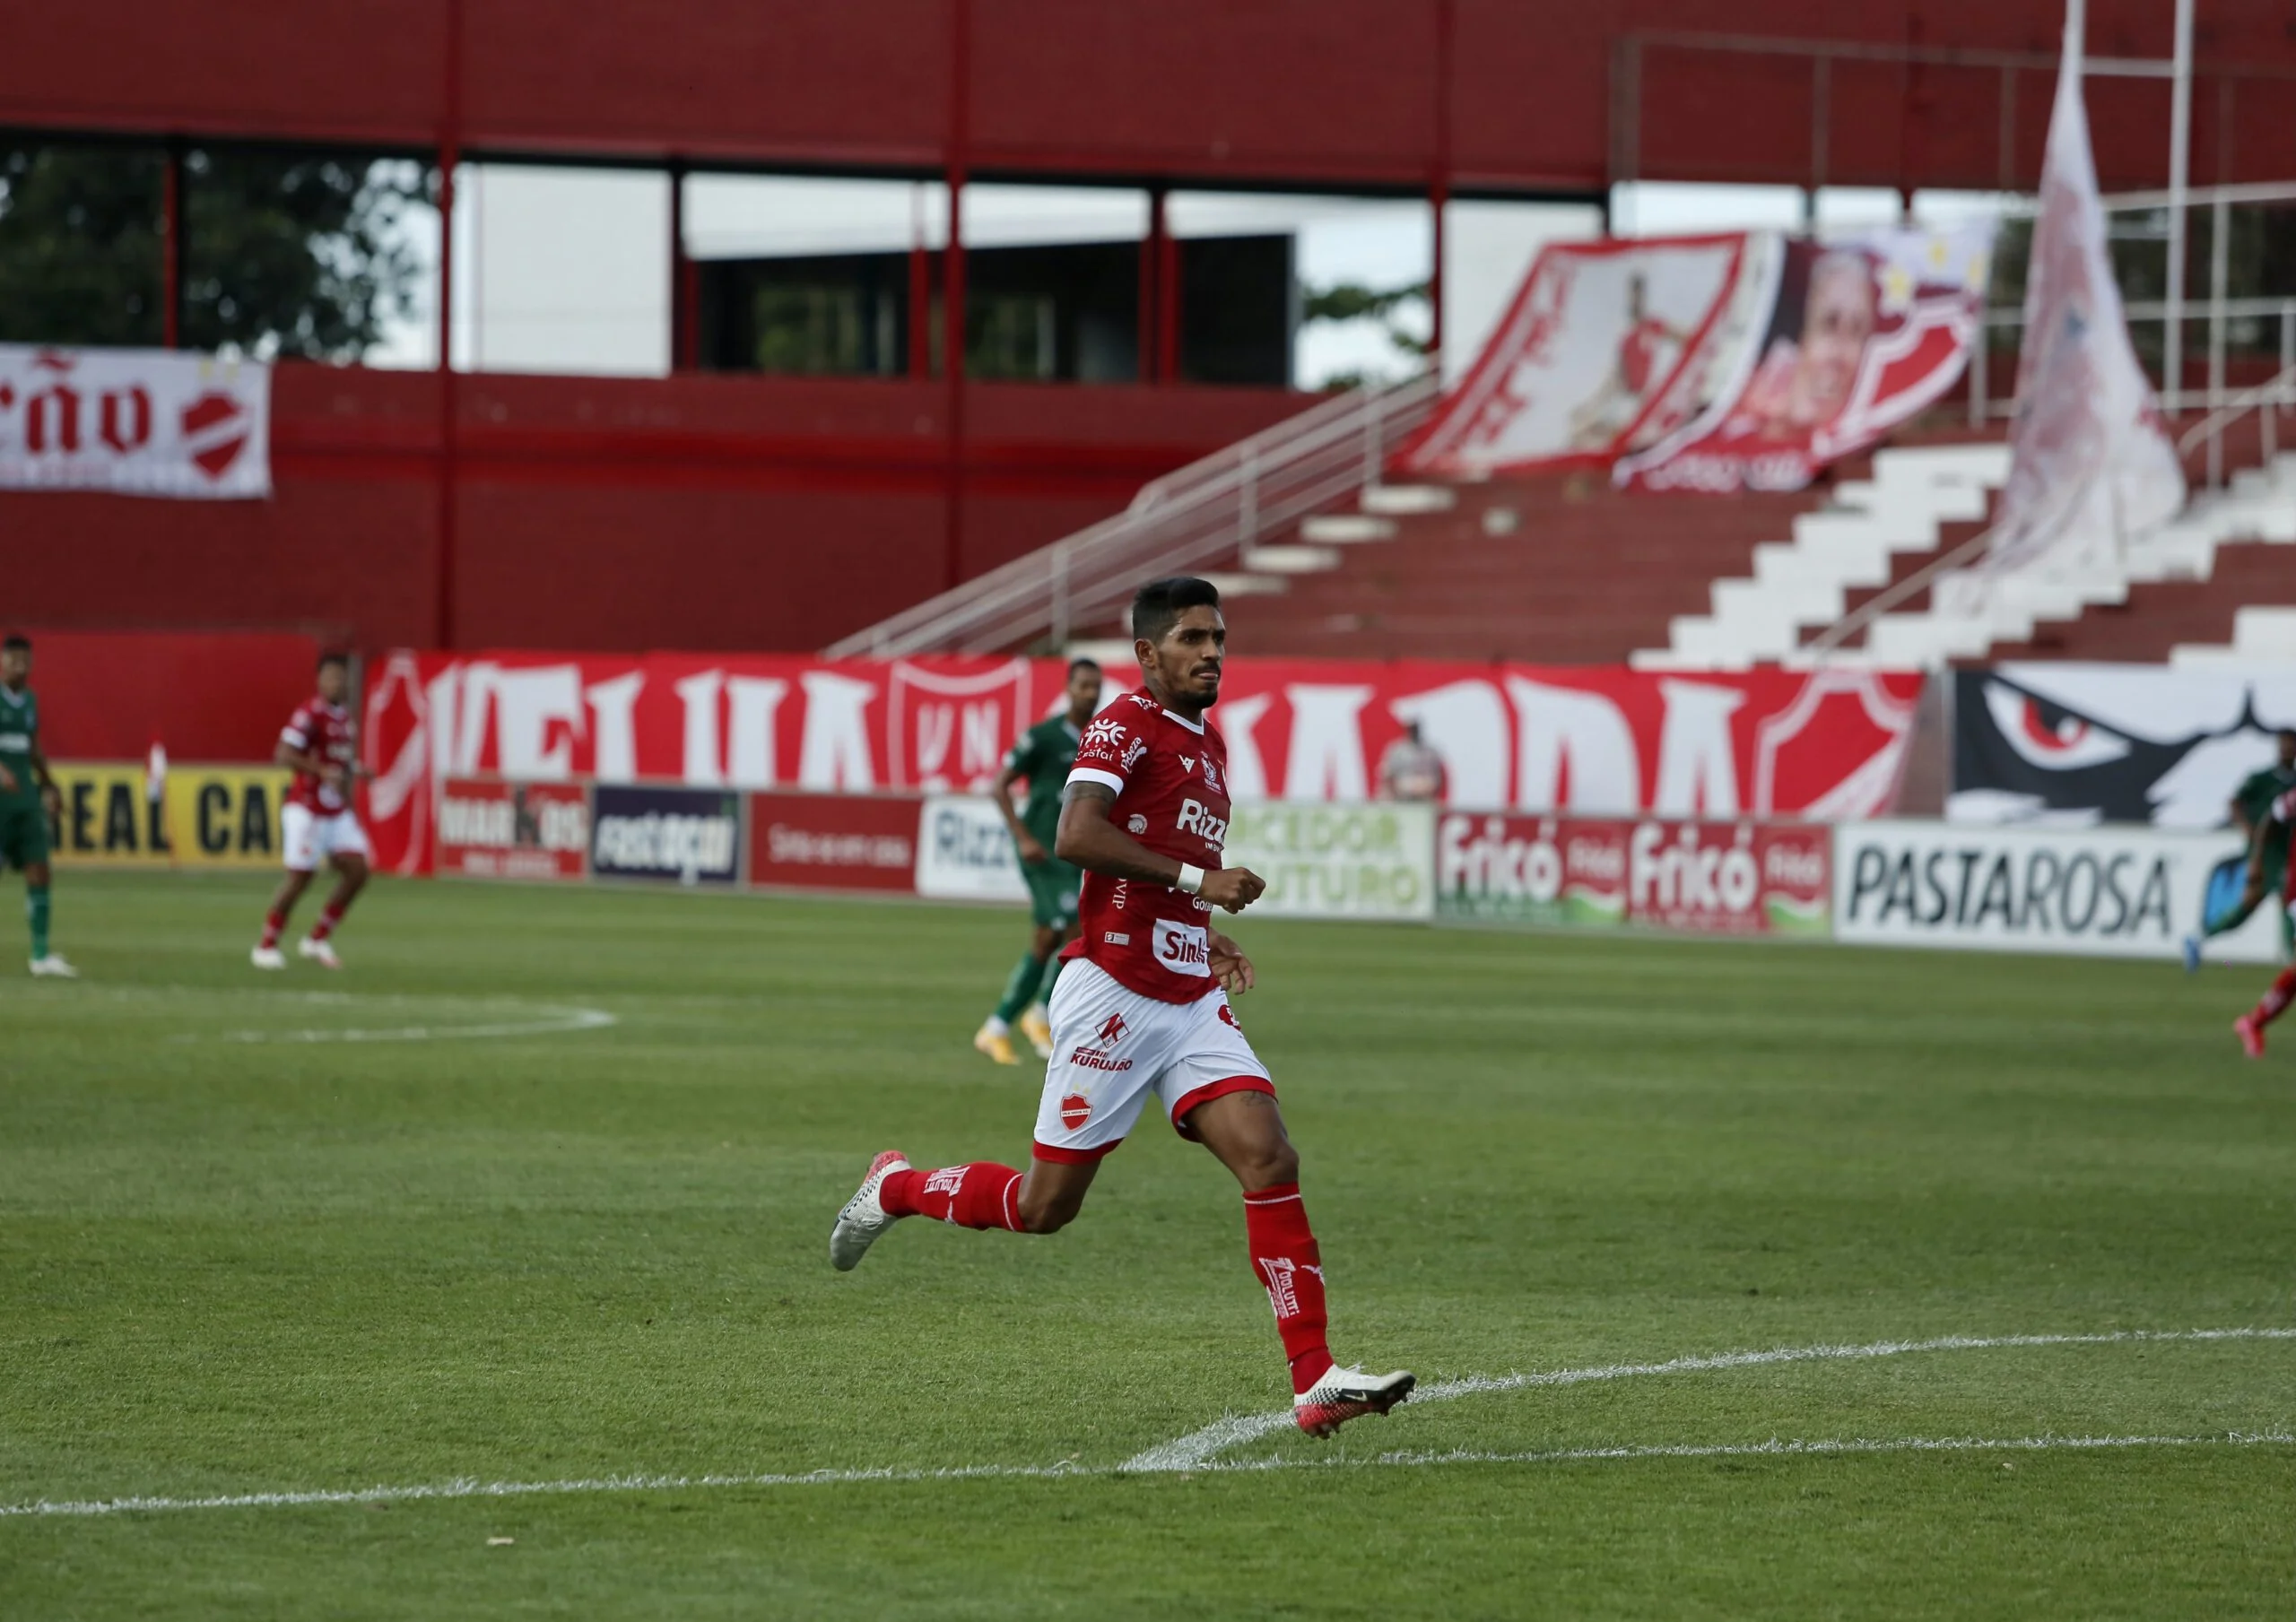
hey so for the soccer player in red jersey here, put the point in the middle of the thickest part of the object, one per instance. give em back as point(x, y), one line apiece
point(1143, 1008)
point(317, 824)
point(2249, 1027)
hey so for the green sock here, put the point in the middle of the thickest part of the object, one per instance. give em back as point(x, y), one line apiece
point(35, 909)
point(1021, 990)
point(1052, 969)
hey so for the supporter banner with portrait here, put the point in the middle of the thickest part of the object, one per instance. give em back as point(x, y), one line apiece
point(1596, 741)
point(135, 422)
point(1607, 348)
point(2079, 744)
point(1857, 335)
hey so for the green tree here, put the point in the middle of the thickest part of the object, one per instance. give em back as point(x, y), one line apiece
point(1351, 301)
point(283, 255)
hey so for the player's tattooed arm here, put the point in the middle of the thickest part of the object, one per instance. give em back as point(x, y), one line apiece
point(1088, 839)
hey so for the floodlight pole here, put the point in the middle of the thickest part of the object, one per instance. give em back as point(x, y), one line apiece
point(2172, 347)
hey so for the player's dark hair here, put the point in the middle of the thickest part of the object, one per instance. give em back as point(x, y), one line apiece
point(335, 655)
point(1077, 664)
point(2286, 733)
point(1157, 606)
point(15, 641)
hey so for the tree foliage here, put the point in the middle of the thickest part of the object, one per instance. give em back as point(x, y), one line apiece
point(288, 254)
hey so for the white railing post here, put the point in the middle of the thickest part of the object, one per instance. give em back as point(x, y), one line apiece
point(1247, 503)
point(2220, 260)
point(1059, 596)
point(1978, 349)
point(1372, 403)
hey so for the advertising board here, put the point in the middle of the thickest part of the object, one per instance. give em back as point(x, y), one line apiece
point(964, 852)
point(490, 829)
point(679, 836)
point(834, 841)
point(1336, 861)
point(204, 816)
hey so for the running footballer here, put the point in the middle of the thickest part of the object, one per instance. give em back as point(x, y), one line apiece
point(1142, 1008)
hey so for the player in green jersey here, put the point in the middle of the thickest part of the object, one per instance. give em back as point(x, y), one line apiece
point(1042, 759)
point(2266, 870)
point(27, 797)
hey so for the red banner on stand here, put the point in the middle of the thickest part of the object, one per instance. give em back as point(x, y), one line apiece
point(1594, 740)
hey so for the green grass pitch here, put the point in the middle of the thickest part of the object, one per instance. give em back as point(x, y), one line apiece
point(571, 1251)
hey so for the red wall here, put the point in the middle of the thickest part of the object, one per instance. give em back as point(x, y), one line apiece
point(1343, 91)
point(207, 697)
point(694, 511)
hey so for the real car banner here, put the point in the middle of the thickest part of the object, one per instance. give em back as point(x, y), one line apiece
point(1853, 336)
point(135, 422)
point(683, 835)
point(2120, 892)
point(1336, 861)
point(1586, 739)
point(202, 815)
point(834, 841)
point(1700, 878)
point(2081, 743)
point(492, 830)
point(1607, 347)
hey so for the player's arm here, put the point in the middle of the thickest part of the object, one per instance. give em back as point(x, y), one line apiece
point(51, 796)
point(1016, 771)
point(1230, 967)
point(308, 761)
point(1089, 840)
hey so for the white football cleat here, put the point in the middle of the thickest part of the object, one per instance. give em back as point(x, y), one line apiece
point(865, 1215)
point(318, 951)
point(1348, 1394)
point(267, 957)
point(53, 967)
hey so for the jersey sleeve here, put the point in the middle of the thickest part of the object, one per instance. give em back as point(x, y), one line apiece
point(1023, 756)
point(1107, 754)
point(297, 733)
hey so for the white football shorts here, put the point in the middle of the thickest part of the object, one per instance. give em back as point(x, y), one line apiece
point(1112, 1047)
point(310, 837)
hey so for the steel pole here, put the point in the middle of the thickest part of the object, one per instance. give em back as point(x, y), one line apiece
point(2172, 349)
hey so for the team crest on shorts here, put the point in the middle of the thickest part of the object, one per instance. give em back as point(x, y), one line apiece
point(1228, 1017)
point(1075, 1109)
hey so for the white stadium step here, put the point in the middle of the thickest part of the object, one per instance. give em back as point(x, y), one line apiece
point(1238, 583)
point(1396, 500)
point(1291, 560)
point(1346, 529)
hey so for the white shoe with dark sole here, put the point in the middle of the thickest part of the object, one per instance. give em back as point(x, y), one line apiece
point(864, 1215)
point(1348, 1394)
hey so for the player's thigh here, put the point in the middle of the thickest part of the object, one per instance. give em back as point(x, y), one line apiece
point(1052, 894)
point(298, 839)
point(1109, 1044)
point(23, 837)
point(1213, 1059)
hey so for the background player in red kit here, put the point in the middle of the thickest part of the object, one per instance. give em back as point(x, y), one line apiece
point(1143, 1007)
point(318, 824)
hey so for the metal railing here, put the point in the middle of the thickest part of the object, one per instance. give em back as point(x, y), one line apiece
point(1201, 515)
point(2267, 399)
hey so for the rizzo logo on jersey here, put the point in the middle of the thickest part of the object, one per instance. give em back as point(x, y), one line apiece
point(1196, 819)
point(1183, 949)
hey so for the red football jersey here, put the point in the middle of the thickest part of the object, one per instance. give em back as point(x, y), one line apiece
point(324, 730)
point(1170, 779)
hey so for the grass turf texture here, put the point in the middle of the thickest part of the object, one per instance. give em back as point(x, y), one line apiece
point(233, 1266)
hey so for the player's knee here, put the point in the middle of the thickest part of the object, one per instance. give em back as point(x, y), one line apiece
point(1046, 1216)
point(1279, 1163)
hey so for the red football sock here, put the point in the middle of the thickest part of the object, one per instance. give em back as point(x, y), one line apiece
point(329, 916)
point(2283, 993)
point(982, 1194)
point(273, 922)
point(1291, 1269)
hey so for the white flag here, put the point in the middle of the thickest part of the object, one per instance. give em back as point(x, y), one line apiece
point(2090, 464)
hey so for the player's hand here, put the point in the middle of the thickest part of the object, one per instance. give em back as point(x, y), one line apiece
point(7, 781)
point(1232, 888)
point(51, 799)
point(1230, 967)
point(333, 776)
point(1032, 850)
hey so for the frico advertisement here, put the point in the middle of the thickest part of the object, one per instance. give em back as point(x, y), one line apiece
point(1336, 861)
point(1582, 741)
point(2119, 892)
point(681, 836)
point(833, 841)
point(135, 422)
point(514, 830)
point(2081, 743)
point(1697, 878)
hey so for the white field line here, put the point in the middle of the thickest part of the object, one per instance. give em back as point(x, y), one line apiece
point(547, 1021)
point(1196, 1448)
point(1191, 1452)
point(1775, 1448)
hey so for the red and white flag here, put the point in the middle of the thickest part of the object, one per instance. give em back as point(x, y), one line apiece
point(2090, 465)
point(135, 422)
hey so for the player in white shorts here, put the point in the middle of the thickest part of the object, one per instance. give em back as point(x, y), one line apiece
point(1142, 1006)
point(318, 824)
